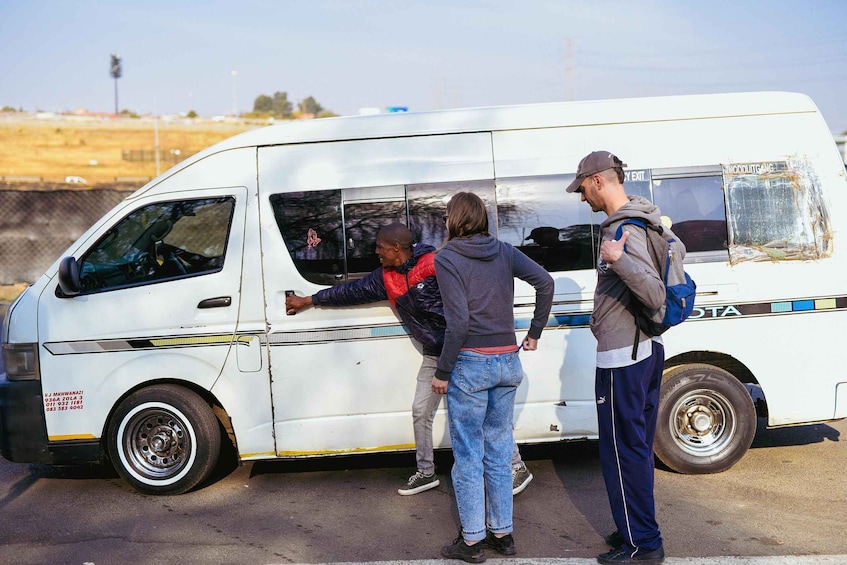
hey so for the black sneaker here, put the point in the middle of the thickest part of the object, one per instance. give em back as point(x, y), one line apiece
point(615, 539)
point(624, 555)
point(419, 483)
point(460, 550)
point(503, 546)
point(520, 478)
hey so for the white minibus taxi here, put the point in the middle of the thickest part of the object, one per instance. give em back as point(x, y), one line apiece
point(162, 331)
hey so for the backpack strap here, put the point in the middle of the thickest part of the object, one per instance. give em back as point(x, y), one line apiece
point(651, 250)
point(650, 247)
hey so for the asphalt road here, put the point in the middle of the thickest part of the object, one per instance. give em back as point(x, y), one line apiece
point(787, 497)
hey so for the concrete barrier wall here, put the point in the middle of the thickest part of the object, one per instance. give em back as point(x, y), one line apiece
point(37, 226)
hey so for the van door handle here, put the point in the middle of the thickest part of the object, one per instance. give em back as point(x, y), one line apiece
point(218, 302)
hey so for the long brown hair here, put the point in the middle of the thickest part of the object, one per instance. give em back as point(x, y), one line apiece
point(466, 216)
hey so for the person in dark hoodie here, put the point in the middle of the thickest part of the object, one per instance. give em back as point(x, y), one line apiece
point(628, 376)
point(407, 280)
point(479, 370)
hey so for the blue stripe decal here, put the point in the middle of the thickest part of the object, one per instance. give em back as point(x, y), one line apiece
point(389, 331)
point(564, 320)
point(556, 321)
point(571, 320)
point(801, 305)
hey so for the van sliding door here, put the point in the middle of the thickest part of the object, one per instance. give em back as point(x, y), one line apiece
point(343, 379)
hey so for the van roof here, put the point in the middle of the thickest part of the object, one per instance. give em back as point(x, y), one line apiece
point(497, 118)
point(529, 116)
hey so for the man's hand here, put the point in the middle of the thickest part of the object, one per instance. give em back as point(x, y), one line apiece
point(611, 250)
point(439, 386)
point(294, 303)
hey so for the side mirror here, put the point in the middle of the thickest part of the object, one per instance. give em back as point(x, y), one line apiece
point(68, 277)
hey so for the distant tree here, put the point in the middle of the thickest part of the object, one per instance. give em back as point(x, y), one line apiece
point(327, 114)
point(191, 114)
point(263, 104)
point(282, 107)
point(8, 109)
point(277, 106)
point(309, 106)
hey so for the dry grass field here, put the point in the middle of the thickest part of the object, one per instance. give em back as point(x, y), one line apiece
point(9, 292)
point(56, 149)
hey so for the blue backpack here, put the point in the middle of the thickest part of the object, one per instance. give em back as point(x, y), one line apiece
point(668, 253)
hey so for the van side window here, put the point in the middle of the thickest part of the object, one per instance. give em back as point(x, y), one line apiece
point(311, 226)
point(693, 200)
point(331, 234)
point(537, 217)
point(366, 211)
point(428, 206)
point(162, 241)
point(776, 212)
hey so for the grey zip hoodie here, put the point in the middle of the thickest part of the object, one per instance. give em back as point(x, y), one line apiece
point(476, 276)
point(632, 276)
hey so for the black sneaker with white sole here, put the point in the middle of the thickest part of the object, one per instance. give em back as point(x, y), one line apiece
point(419, 482)
point(520, 478)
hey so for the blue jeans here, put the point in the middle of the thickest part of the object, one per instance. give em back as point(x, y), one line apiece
point(480, 409)
point(423, 413)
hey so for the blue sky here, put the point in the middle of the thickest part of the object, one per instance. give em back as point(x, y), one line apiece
point(423, 54)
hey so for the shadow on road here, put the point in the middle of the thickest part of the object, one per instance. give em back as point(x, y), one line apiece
point(346, 463)
point(793, 435)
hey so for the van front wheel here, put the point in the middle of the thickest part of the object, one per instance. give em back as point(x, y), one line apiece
point(706, 420)
point(164, 439)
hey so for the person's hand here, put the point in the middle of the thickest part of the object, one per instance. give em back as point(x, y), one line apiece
point(529, 344)
point(294, 303)
point(439, 386)
point(611, 250)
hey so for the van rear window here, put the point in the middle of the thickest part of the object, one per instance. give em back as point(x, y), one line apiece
point(776, 212)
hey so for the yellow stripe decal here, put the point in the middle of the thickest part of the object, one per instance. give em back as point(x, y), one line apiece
point(260, 455)
point(141, 343)
point(403, 446)
point(71, 437)
point(194, 340)
point(825, 304)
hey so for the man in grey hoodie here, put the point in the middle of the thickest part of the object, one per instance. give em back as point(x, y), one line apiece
point(626, 385)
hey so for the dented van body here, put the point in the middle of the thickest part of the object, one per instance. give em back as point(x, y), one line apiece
point(162, 332)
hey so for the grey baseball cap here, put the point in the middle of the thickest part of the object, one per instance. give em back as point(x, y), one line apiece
point(593, 163)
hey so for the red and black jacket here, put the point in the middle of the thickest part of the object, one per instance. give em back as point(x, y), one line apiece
point(411, 288)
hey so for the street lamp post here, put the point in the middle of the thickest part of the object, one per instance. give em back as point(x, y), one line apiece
point(115, 71)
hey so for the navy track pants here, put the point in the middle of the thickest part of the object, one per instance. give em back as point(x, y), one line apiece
point(627, 408)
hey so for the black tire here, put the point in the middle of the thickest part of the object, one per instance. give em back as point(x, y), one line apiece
point(706, 420)
point(164, 439)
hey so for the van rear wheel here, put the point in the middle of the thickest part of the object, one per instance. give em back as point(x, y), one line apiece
point(706, 420)
point(164, 439)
